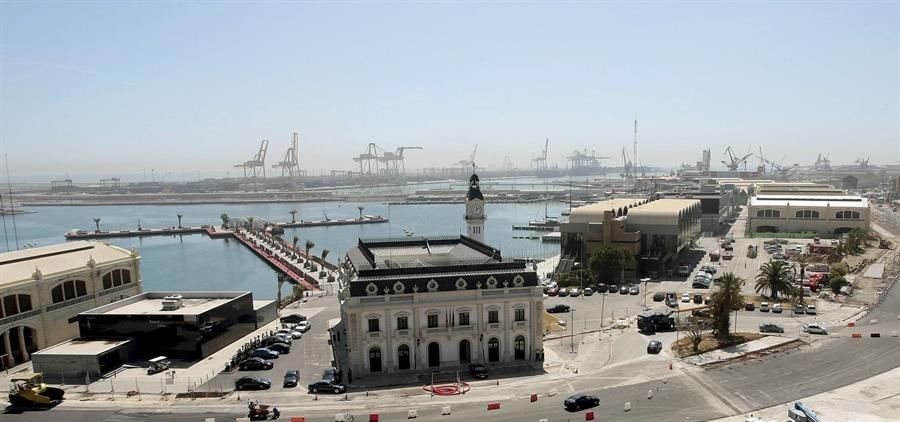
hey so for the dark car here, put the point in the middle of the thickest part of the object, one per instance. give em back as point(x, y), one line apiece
point(325, 386)
point(672, 302)
point(291, 378)
point(770, 328)
point(331, 374)
point(264, 353)
point(634, 290)
point(700, 284)
point(277, 338)
point(581, 401)
point(478, 371)
point(654, 347)
point(659, 297)
point(749, 306)
point(623, 290)
point(255, 364)
point(702, 313)
point(698, 299)
point(252, 383)
point(292, 318)
point(281, 348)
point(601, 288)
point(563, 292)
point(612, 288)
point(558, 309)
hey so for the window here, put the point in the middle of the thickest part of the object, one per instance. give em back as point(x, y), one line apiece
point(402, 323)
point(807, 214)
point(9, 305)
point(463, 319)
point(373, 325)
point(520, 348)
point(848, 215)
point(493, 317)
point(68, 290)
point(520, 314)
point(432, 321)
point(768, 214)
point(116, 278)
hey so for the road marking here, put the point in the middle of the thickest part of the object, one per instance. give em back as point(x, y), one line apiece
point(712, 391)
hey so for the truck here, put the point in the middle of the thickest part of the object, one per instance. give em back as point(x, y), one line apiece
point(652, 322)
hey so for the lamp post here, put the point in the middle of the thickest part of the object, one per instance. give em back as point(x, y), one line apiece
point(572, 324)
point(645, 280)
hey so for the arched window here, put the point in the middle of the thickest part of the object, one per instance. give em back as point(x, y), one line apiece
point(403, 356)
point(116, 278)
point(68, 290)
point(848, 215)
point(807, 214)
point(768, 213)
point(375, 359)
point(520, 347)
point(15, 304)
point(493, 350)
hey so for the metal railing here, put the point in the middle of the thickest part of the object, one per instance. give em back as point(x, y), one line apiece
point(20, 316)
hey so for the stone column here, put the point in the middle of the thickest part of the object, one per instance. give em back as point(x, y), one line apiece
point(8, 349)
point(25, 355)
point(507, 331)
point(389, 352)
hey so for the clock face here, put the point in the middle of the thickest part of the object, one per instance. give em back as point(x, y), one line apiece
point(477, 210)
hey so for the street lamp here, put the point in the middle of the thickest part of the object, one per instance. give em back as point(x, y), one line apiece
point(645, 280)
point(572, 324)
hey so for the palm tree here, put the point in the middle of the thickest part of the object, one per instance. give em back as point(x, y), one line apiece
point(97, 223)
point(724, 301)
point(296, 239)
point(179, 220)
point(309, 245)
point(250, 220)
point(282, 277)
point(360, 211)
point(325, 253)
point(293, 216)
point(225, 220)
point(801, 260)
point(837, 253)
point(775, 277)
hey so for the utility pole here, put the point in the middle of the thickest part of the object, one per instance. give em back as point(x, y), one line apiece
point(572, 318)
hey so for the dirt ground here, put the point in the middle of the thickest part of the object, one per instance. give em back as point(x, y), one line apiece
point(683, 348)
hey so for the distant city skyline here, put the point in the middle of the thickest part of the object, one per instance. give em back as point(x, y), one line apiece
point(190, 89)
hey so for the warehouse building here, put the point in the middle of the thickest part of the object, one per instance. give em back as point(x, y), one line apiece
point(824, 216)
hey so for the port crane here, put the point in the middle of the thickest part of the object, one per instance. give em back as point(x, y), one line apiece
point(290, 165)
point(781, 171)
point(394, 164)
point(256, 167)
point(628, 166)
point(540, 163)
point(465, 165)
point(367, 160)
point(581, 159)
point(734, 162)
point(822, 163)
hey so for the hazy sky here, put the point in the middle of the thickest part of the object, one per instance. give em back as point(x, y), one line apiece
point(108, 88)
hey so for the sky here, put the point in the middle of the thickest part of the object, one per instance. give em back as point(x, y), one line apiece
point(108, 88)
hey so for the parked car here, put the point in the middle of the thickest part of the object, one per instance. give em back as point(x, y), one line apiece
point(707, 300)
point(702, 313)
point(613, 288)
point(623, 290)
point(264, 353)
point(634, 290)
point(602, 288)
point(672, 302)
point(698, 299)
point(252, 383)
point(558, 309)
point(700, 284)
point(814, 328)
point(770, 328)
point(749, 306)
point(776, 308)
point(659, 297)
point(810, 309)
point(574, 292)
point(303, 326)
point(588, 291)
point(281, 348)
point(563, 292)
point(554, 291)
point(764, 307)
point(331, 374)
point(325, 386)
point(654, 347)
point(255, 364)
point(581, 401)
point(291, 378)
point(797, 309)
point(684, 270)
point(686, 297)
point(478, 371)
point(292, 319)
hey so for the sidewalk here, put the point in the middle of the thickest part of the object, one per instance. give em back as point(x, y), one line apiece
point(734, 352)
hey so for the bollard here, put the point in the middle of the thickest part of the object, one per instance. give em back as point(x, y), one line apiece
point(316, 396)
point(627, 406)
point(445, 410)
point(493, 406)
point(412, 414)
point(670, 366)
point(649, 394)
point(589, 416)
point(856, 335)
point(373, 417)
point(851, 324)
point(665, 380)
point(498, 382)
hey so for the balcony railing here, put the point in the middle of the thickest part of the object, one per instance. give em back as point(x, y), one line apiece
point(437, 330)
point(521, 324)
point(493, 326)
point(463, 328)
point(402, 332)
point(117, 289)
point(17, 317)
point(70, 302)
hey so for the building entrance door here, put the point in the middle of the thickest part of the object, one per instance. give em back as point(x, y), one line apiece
point(434, 354)
point(465, 352)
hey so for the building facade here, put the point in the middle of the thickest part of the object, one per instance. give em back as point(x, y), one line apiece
point(822, 215)
point(42, 290)
point(435, 304)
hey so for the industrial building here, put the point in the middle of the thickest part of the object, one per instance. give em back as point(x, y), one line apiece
point(825, 216)
point(436, 303)
point(717, 206)
point(655, 232)
point(43, 289)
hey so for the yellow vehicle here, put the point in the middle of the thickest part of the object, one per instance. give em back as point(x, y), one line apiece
point(31, 391)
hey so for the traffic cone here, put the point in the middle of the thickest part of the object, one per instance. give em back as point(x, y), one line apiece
point(670, 366)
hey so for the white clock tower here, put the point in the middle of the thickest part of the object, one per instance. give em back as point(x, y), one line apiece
point(475, 215)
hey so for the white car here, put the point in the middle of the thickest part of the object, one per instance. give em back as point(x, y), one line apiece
point(303, 326)
point(776, 308)
point(686, 297)
point(764, 307)
point(814, 328)
point(810, 309)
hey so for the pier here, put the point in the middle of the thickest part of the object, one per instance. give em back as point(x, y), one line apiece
point(366, 219)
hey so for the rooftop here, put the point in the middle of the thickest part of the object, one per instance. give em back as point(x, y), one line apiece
point(810, 201)
point(150, 303)
point(81, 347)
point(419, 252)
point(666, 207)
point(20, 265)
point(593, 213)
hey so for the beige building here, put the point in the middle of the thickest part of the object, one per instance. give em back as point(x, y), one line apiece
point(42, 291)
point(823, 215)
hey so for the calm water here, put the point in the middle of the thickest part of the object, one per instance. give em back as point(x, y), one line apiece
point(196, 262)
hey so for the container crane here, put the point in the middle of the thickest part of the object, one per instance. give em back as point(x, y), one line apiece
point(540, 163)
point(290, 165)
point(733, 162)
point(256, 167)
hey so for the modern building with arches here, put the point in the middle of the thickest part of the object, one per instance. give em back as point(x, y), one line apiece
point(826, 216)
point(435, 304)
point(42, 291)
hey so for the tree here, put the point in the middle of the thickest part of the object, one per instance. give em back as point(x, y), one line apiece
point(97, 223)
point(723, 302)
point(837, 252)
point(296, 239)
point(293, 215)
point(282, 277)
point(837, 269)
point(837, 283)
point(309, 245)
point(225, 220)
point(179, 220)
point(693, 329)
point(325, 253)
point(774, 276)
point(609, 260)
point(251, 220)
point(801, 259)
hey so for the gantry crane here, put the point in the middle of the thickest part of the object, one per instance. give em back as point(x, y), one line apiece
point(733, 162)
point(465, 165)
point(394, 164)
point(822, 163)
point(540, 163)
point(627, 165)
point(290, 165)
point(780, 171)
point(367, 159)
point(256, 167)
point(581, 159)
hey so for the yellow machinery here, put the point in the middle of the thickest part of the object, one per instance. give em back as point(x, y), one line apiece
point(31, 391)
